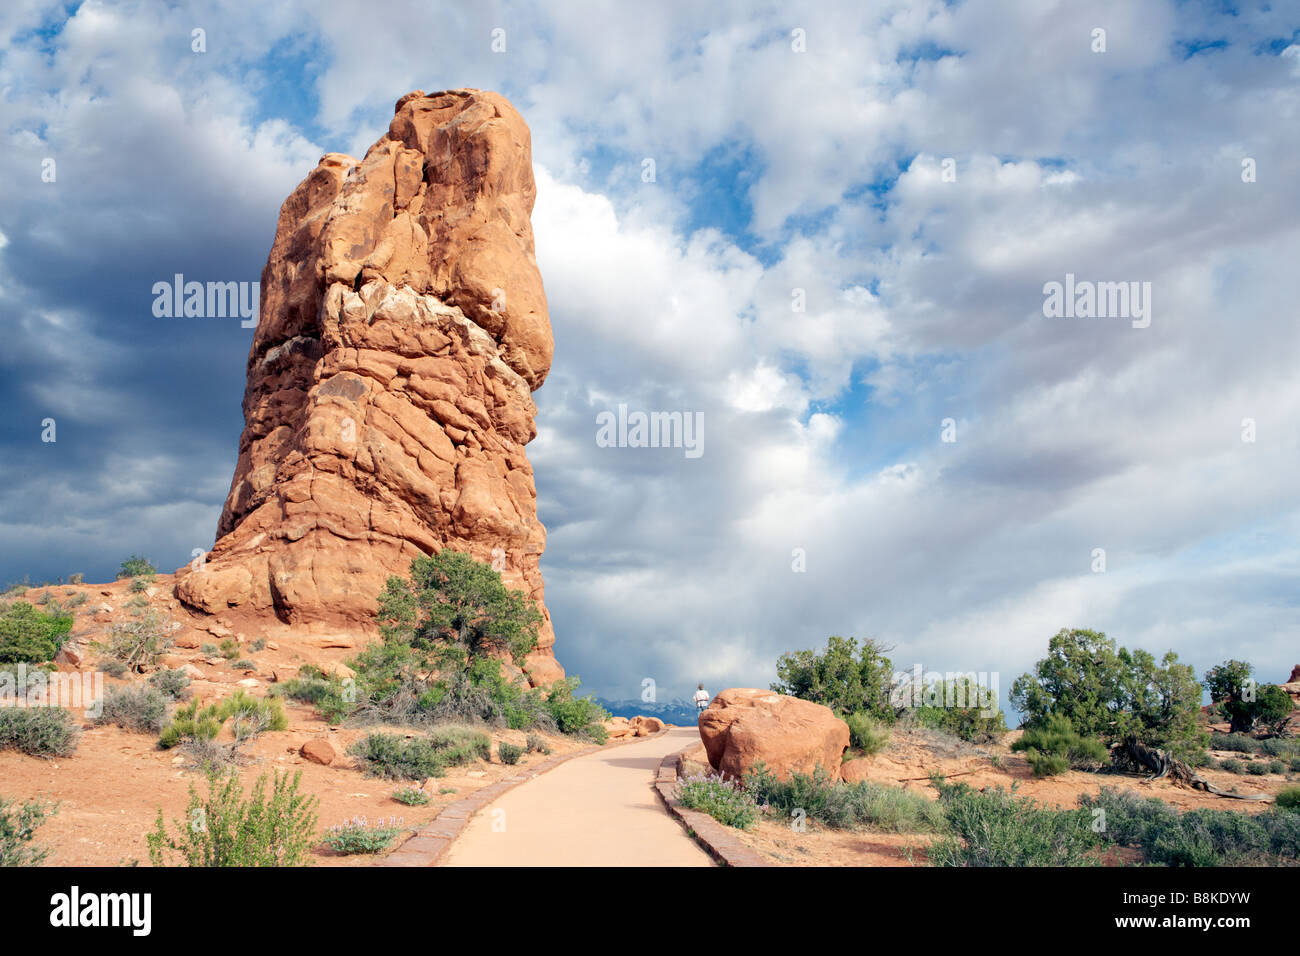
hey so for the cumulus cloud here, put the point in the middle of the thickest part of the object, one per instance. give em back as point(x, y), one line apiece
point(844, 246)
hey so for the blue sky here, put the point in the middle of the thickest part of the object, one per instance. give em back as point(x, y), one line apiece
point(776, 170)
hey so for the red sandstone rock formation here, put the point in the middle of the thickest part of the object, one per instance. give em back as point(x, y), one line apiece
point(402, 330)
point(745, 726)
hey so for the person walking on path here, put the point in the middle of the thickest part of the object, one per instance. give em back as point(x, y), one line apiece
point(701, 700)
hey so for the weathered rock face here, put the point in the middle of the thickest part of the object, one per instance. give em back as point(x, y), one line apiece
point(402, 330)
point(744, 726)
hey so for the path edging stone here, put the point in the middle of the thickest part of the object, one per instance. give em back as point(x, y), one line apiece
point(716, 840)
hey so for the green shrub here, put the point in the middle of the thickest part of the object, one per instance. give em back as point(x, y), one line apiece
point(173, 683)
point(248, 716)
point(18, 826)
point(576, 716)
point(29, 636)
point(1288, 798)
point(452, 618)
point(1108, 692)
point(244, 665)
point(138, 585)
point(1277, 766)
point(1046, 765)
point(139, 709)
point(961, 707)
point(509, 753)
point(396, 758)
point(229, 649)
point(1244, 704)
point(75, 600)
point(275, 829)
point(1232, 765)
point(536, 744)
point(191, 721)
point(411, 796)
point(997, 828)
point(1199, 837)
point(134, 567)
point(1054, 747)
point(845, 677)
point(334, 699)
point(208, 649)
point(866, 733)
point(476, 693)
point(1257, 768)
point(461, 744)
point(38, 731)
point(724, 800)
point(137, 644)
point(1280, 747)
point(459, 609)
point(358, 836)
point(1239, 743)
point(844, 806)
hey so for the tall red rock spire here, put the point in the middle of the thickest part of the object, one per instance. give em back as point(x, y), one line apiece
point(402, 331)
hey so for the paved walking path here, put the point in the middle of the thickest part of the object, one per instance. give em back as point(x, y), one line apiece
point(597, 810)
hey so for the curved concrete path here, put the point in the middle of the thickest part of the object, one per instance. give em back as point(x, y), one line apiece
point(596, 810)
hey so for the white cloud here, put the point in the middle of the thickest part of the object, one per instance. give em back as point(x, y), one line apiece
point(923, 300)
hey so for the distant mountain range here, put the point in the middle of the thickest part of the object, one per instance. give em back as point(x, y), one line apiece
point(676, 711)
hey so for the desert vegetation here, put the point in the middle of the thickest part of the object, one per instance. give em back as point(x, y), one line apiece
point(38, 731)
point(18, 825)
point(1089, 705)
point(843, 806)
point(195, 727)
point(1200, 837)
point(29, 635)
point(138, 708)
point(359, 836)
point(394, 757)
point(136, 645)
point(725, 800)
point(856, 681)
point(446, 634)
point(266, 828)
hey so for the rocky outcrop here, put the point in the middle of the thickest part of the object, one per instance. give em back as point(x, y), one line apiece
point(1292, 687)
point(617, 728)
point(646, 726)
point(744, 727)
point(403, 328)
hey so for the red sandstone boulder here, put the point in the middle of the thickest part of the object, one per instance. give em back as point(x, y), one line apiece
point(646, 726)
point(402, 330)
point(743, 727)
point(617, 731)
point(319, 750)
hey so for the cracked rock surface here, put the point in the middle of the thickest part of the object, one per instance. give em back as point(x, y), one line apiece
point(402, 331)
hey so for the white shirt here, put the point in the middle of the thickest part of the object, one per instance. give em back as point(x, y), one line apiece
point(701, 694)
